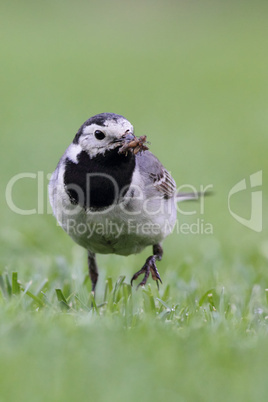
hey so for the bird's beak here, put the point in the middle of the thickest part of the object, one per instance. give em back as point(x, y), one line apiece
point(125, 139)
point(128, 137)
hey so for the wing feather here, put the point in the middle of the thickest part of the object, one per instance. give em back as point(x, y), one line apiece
point(164, 183)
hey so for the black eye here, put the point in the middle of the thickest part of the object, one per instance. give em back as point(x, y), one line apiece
point(99, 135)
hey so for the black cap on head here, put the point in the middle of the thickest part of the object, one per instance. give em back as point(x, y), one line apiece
point(101, 118)
point(98, 119)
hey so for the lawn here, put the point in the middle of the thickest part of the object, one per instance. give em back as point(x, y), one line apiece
point(192, 76)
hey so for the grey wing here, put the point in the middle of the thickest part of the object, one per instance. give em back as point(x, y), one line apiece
point(155, 174)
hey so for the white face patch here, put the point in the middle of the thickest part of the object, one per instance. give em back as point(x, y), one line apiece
point(113, 130)
point(72, 151)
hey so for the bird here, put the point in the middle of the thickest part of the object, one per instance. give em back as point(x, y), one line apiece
point(111, 195)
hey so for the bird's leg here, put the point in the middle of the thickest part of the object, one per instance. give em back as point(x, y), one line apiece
point(158, 251)
point(150, 266)
point(93, 270)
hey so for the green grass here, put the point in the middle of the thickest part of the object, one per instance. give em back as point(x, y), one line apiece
point(60, 344)
point(193, 77)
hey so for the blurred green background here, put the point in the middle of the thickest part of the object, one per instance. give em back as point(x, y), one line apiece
point(190, 75)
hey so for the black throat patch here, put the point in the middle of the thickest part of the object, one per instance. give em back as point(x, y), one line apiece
point(98, 182)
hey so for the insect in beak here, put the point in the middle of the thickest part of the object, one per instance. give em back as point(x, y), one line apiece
point(133, 144)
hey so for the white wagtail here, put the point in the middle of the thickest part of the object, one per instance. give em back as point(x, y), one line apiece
point(112, 195)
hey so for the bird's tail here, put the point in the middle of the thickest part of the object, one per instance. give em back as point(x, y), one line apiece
point(191, 196)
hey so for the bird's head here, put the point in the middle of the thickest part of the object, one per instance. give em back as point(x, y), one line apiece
point(105, 132)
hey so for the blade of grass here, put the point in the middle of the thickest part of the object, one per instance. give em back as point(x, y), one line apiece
point(148, 298)
point(8, 285)
point(60, 296)
point(41, 286)
point(15, 284)
point(93, 303)
point(61, 299)
point(128, 303)
point(36, 299)
point(108, 287)
point(163, 303)
point(117, 294)
point(166, 293)
point(206, 297)
point(2, 286)
point(82, 304)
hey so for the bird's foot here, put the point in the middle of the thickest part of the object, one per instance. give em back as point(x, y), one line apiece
point(148, 267)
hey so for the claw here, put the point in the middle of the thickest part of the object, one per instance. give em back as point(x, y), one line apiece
point(148, 267)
